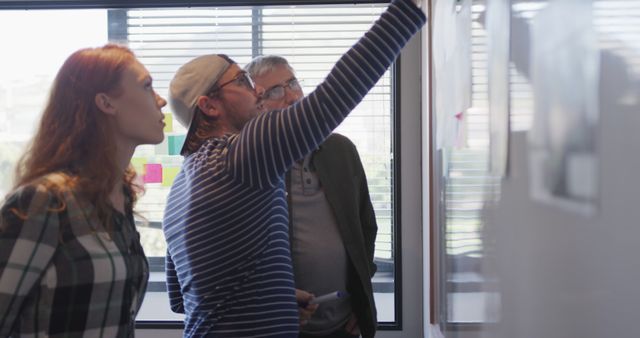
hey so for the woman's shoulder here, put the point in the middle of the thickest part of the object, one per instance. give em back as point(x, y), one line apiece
point(31, 211)
point(46, 190)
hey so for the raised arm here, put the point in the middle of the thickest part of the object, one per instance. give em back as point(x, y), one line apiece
point(268, 145)
point(28, 240)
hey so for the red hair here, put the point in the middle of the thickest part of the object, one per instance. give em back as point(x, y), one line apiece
point(74, 136)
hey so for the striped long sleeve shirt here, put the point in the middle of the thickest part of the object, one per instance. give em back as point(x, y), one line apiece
point(226, 223)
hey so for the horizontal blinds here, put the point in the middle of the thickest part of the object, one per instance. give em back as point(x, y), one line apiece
point(312, 38)
point(165, 39)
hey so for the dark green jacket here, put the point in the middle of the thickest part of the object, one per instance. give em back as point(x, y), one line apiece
point(342, 177)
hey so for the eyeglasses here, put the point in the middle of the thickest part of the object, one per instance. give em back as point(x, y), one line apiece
point(242, 79)
point(277, 92)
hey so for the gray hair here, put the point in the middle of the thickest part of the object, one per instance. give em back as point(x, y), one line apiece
point(266, 63)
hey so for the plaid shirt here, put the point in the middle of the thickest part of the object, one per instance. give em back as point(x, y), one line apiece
point(61, 273)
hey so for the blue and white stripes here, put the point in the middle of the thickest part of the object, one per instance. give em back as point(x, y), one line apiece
point(228, 265)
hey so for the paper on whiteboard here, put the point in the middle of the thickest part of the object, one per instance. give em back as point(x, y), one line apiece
point(452, 70)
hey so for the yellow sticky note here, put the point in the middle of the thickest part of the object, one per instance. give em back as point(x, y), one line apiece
point(168, 122)
point(138, 164)
point(168, 175)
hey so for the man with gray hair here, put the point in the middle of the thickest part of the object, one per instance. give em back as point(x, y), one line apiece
point(226, 222)
point(332, 225)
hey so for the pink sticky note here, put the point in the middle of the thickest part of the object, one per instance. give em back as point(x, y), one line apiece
point(153, 173)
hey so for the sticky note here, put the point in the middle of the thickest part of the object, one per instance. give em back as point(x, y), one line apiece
point(168, 122)
point(153, 173)
point(138, 164)
point(175, 144)
point(169, 175)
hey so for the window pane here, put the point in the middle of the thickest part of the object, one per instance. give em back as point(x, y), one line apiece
point(311, 37)
point(166, 38)
point(28, 64)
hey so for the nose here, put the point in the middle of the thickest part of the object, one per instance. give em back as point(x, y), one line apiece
point(291, 96)
point(160, 101)
point(259, 90)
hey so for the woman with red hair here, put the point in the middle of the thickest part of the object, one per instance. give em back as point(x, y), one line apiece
point(71, 263)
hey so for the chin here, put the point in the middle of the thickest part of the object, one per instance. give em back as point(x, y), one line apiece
point(160, 139)
point(157, 139)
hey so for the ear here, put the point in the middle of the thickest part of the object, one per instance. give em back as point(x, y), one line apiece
point(103, 101)
point(209, 106)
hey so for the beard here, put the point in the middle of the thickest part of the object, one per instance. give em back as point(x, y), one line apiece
point(239, 114)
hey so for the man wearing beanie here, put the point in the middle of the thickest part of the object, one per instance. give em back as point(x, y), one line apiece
point(226, 223)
